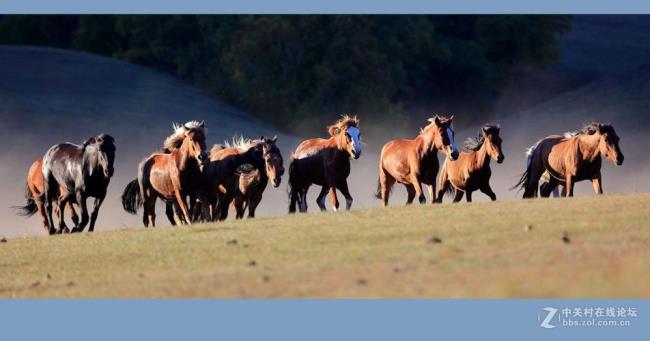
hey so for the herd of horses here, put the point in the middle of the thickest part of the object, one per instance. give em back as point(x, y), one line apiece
point(198, 185)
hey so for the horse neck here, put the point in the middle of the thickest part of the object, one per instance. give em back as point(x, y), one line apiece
point(250, 156)
point(425, 141)
point(481, 157)
point(588, 146)
point(183, 158)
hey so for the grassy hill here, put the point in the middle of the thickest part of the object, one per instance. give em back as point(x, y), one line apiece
point(464, 250)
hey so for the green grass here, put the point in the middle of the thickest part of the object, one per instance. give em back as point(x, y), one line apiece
point(485, 251)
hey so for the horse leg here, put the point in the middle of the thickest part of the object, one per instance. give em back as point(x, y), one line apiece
point(468, 196)
point(93, 216)
point(410, 192)
point(73, 213)
point(238, 204)
point(169, 212)
point(253, 203)
point(50, 195)
point(63, 201)
point(224, 204)
point(302, 199)
point(487, 190)
point(459, 195)
point(43, 214)
point(343, 187)
point(320, 200)
point(183, 206)
point(333, 198)
point(149, 208)
point(432, 192)
point(597, 183)
point(418, 188)
point(569, 184)
point(386, 182)
point(81, 201)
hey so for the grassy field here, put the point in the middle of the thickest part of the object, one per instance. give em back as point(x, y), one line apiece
point(503, 249)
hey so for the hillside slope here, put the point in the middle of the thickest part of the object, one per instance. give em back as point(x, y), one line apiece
point(580, 247)
point(49, 96)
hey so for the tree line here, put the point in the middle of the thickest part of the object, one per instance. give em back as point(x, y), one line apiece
point(299, 68)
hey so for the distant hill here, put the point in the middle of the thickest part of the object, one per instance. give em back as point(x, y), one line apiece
point(49, 96)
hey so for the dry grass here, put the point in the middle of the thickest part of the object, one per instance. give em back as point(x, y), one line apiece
point(484, 250)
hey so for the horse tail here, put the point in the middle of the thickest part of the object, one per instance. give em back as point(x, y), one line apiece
point(291, 186)
point(131, 197)
point(521, 184)
point(449, 189)
point(30, 207)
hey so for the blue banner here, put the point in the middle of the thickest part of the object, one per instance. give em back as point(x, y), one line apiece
point(325, 319)
point(323, 7)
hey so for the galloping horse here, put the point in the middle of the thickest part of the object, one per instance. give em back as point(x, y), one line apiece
point(325, 162)
point(253, 180)
point(74, 173)
point(415, 162)
point(222, 174)
point(572, 158)
point(170, 176)
point(35, 197)
point(471, 171)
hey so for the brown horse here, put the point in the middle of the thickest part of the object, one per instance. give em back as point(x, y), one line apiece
point(325, 162)
point(253, 180)
point(35, 197)
point(571, 158)
point(170, 176)
point(471, 171)
point(223, 171)
point(415, 162)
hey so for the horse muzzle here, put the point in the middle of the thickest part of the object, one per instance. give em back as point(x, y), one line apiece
point(276, 182)
point(619, 160)
point(453, 155)
point(356, 155)
point(500, 158)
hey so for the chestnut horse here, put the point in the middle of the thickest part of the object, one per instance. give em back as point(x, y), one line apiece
point(571, 158)
point(471, 171)
point(74, 173)
point(415, 162)
point(325, 162)
point(35, 197)
point(170, 176)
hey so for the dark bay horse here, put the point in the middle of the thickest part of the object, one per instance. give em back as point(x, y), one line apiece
point(325, 162)
point(74, 173)
point(222, 176)
point(35, 196)
point(471, 171)
point(252, 180)
point(172, 176)
point(415, 162)
point(571, 158)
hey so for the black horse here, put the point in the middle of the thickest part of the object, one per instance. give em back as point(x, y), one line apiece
point(81, 172)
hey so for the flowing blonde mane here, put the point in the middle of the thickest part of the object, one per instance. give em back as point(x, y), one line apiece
point(175, 140)
point(344, 122)
point(431, 120)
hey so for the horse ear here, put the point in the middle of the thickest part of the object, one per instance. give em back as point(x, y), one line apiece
point(89, 141)
point(202, 123)
point(436, 120)
point(274, 139)
point(485, 130)
point(262, 137)
point(451, 118)
point(333, 130)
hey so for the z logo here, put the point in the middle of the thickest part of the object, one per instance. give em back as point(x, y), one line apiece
point(550, 313)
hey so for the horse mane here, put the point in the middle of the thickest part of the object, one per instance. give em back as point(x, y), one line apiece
point(344, 122)
point(432, 120)
point(240, 143)
point(474, 143)
point(590, 129)
point(175, 140)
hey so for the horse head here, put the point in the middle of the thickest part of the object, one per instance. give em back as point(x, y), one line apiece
point(608, 143)
point(102, 148)
point(492, 142)
point(443, 135)
point(347, 134)
point(194, 141)
point(272, 160)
